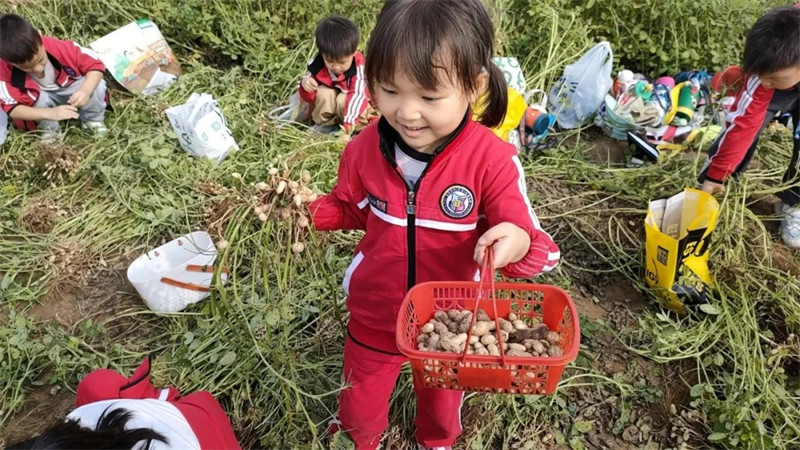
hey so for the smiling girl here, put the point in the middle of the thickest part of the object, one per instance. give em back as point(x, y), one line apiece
point(432, 189)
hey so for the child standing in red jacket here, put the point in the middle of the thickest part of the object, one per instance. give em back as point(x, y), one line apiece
point(432, 189)
point(335, 85)
point(44, 80)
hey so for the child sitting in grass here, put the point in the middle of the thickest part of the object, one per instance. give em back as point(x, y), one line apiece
point(130, 413)
point(44, 80)
point(335, 85)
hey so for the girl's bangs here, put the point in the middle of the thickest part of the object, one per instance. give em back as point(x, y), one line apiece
point(432, 52)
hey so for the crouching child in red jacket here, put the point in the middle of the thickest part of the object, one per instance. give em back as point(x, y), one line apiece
point(771, 87)
point(335, 85)
point(44, 81)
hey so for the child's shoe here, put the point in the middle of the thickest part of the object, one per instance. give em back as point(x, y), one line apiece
point(790, 224)
point(96, 128)
point(324, 129)
point(51, 137)
point(441, 447)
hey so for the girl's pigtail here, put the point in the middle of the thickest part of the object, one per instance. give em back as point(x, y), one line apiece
point(497, 102)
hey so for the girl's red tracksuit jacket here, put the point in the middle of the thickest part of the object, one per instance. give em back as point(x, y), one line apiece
point(415, 234)
point(427, 233)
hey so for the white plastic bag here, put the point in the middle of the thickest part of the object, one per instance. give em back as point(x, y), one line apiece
point(3, 126)
point(578, 94)
point(296, 111)
point(201, 128)
point(176, 274)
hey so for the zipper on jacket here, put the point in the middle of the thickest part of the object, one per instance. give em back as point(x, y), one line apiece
point(412, 192)
point(411, 235)
point(411, 221)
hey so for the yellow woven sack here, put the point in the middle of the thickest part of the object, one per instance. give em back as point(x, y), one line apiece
point(678, 231)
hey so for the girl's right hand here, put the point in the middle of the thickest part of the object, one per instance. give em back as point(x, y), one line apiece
point(309, 84)
point(63, 112)
point(509, 242)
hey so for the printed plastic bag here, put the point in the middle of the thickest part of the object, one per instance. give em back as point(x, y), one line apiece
point(578, 94)
point(138, 57)
point(512, 72)
point(678, 231)
point(201, 128)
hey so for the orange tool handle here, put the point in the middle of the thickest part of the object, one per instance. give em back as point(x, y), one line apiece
point(181, 284)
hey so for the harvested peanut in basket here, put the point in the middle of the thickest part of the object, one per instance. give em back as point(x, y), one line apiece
point(448, 331)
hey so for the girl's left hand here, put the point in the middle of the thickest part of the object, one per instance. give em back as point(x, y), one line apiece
point(509, 242)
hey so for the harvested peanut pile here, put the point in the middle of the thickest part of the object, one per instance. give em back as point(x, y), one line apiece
point(448, 332)
point(286, 200)
point(59, 161)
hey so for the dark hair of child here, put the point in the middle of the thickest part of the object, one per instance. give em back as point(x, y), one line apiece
point(774, 42)
point(337, 37)
point(110, 434)
point(431, 39)
point(19, 40)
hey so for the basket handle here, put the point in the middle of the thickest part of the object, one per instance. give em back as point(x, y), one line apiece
point(487, 272)
point(205, 268)
point(181, 284)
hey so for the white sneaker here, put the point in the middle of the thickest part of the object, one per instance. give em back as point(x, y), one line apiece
point(441, 447)
point(96, 128)
point(51, 137)
point(790, 224)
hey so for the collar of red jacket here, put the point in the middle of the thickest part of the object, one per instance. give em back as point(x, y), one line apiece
point(108, 384)
point(18, 77)
point(318, 64)
point(389, 137)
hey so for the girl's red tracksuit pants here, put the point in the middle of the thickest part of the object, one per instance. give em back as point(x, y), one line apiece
point(370, 376)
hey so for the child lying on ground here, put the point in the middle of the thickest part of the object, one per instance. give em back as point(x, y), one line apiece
point(126, 413)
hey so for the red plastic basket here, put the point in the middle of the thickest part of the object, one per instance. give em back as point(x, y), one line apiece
point(498, 374)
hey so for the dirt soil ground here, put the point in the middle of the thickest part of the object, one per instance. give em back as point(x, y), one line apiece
point(108, 294)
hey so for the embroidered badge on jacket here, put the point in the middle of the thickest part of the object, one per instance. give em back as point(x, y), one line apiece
point(457, 201)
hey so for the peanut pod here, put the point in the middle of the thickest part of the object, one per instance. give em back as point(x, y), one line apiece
point(506, 325)
point(517, 347)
